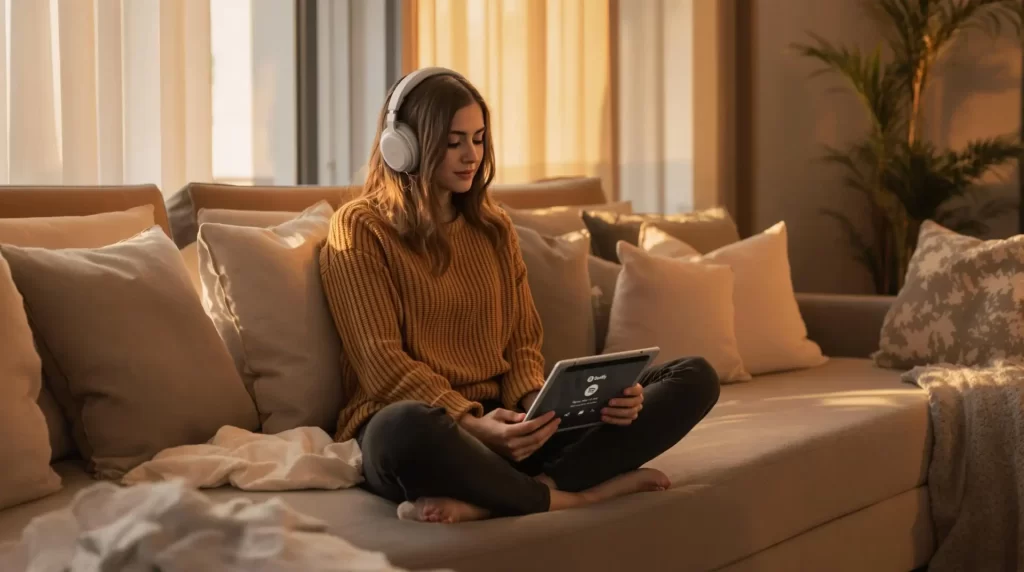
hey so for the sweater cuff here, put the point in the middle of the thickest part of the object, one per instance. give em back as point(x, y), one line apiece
point(456, 405)
point(514, 392)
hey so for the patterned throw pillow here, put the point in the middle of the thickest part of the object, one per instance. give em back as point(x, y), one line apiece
point(962, 302)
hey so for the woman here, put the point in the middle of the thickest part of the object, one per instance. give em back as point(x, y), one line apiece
point(442, 341)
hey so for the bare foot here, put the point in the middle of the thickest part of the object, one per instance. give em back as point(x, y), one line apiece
point(638, 481)
point(437, 509)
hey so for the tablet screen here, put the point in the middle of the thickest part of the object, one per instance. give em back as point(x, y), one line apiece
point(582, 390)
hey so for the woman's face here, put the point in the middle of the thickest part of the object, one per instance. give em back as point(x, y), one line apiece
point(465, 150)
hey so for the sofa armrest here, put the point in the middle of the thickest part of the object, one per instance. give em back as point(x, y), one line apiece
point(844, 325)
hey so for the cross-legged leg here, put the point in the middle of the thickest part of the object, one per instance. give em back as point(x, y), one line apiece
point(417, 456)
point(677, 396)
point(411, 451)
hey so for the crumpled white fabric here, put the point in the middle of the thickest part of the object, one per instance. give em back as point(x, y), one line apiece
point(297, 459)
point(170, 527)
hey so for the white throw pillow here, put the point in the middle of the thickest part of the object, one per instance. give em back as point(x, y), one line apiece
point(685, 308)
point(262, 288)
point(24, 438)
point(771, 333)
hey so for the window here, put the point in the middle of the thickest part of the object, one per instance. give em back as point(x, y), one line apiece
point(252, 44)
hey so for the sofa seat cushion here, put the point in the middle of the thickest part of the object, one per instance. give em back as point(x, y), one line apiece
point(775, 458)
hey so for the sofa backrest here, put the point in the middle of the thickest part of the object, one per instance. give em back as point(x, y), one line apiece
point(49, 201)
point(184, 206)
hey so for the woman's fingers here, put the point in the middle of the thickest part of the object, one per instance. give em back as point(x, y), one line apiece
point(523, 447)
point(623, 422)
point(625, 402)
point(622, 412)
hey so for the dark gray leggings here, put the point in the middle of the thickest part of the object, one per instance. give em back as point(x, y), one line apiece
point(411, 450)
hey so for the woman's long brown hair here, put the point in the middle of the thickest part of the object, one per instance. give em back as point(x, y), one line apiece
point(409, 201)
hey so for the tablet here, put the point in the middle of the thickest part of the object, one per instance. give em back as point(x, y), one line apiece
point(577, 389)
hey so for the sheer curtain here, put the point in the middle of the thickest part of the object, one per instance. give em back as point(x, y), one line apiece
point(105, 92)
point(637, 92)
point(544, 69)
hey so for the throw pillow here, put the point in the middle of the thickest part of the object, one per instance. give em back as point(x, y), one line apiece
point(237, 217)
point(24, 439)
point(557, 221)
point(685, 308)
point(233, 217)
point(704, 230)
point(556, 270)
point(87, 231)
point(660, 243)
point(130, 354)
point(961, 302)
point(263, 291)
point(603, 277)
point(770, 330)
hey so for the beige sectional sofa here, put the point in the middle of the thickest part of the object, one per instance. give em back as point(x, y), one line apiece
point(821, 468)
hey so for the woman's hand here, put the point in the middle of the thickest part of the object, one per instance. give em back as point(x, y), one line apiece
point(624, 410)
point(505, 433)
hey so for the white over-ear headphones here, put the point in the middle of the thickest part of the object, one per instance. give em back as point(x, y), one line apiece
point(398, 144)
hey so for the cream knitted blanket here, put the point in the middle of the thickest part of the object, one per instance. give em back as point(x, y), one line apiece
point(976, 475)
point(297, 459)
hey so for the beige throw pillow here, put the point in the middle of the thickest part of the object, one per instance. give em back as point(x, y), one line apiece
point(233, 217)
point(685, 308)
point(237, 217)
point(557, 221)
point(87, 231)
point(130, 354)
point(770, 331)
point(263, 291)
point(556, 269)
point(704, 230)
point(660, 243)
point(961, 303)
point(24, 438)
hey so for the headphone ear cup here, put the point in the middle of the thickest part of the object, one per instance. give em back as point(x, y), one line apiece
point(399, 147)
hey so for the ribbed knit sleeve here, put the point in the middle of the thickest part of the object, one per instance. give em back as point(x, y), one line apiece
point(526, 372)
point(365, 306)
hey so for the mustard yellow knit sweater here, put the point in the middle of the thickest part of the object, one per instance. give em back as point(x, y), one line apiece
point(449, 341)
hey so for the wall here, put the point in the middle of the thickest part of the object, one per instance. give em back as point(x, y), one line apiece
point(794, 115)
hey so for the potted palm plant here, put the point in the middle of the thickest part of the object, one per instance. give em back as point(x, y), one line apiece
point(906, 179)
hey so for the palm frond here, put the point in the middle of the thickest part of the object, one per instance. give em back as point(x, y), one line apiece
point(907, 20)
point(924, 178)
point(972, 217)
point(953, 18)
point(980, 156)
point(871, 80)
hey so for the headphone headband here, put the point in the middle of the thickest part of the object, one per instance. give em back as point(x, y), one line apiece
point(408, 83)
point(398, 144)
